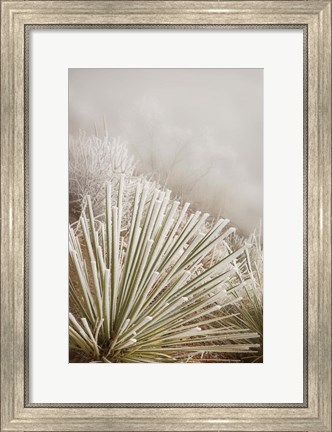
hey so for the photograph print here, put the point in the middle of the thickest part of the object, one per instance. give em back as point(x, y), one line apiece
point(165, 215)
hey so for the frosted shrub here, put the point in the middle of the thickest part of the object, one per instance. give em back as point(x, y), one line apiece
point(93, 161)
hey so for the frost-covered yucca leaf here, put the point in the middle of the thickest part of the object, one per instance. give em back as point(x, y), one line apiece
point(141, 294)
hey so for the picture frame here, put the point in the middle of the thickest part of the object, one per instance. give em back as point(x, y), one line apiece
point(17, 17)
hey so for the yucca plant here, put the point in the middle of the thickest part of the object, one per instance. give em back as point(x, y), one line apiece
point(142, 294)
point(249, 274)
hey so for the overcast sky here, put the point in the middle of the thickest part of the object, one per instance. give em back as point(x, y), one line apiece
point(198, 130)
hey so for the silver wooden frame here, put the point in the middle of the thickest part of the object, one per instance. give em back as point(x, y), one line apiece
point(314, 17)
